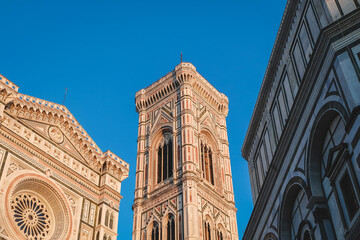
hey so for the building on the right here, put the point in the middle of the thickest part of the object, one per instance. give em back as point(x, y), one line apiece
point(302, 145)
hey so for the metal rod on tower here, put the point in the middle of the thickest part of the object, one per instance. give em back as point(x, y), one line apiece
point(181, 57)
point(65, 96)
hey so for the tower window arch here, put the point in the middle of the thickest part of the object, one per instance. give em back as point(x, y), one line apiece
point(207, 231)
point(99, 218)
point(107, 215)
point(165, 158)
point(171, 228)
point(111, 223)
point(207, 158)
point(219, 235)
point(155, 232)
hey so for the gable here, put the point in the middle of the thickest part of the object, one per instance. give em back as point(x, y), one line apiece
point(54, 134)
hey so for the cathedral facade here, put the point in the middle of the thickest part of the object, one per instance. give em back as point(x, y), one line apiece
point(184, 187)
point(303, 142)
point(55, 182)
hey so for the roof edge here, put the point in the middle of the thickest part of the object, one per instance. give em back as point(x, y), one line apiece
point(275, 57)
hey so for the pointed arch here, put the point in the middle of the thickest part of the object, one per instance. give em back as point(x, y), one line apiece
point(220, 232)
point(322, 121)
point(164, 155)
point(107, 215)
point(100, 214)
point(208, 149)
point(208, 227)
point(169, 222)
point(155, 232)
point(295, 187)
point(111, 223)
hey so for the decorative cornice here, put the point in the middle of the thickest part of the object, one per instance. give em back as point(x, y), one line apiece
point(184, 73)
point(269, 78)
point(27, 107)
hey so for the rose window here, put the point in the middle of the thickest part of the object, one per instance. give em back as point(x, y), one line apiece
point(31, 216)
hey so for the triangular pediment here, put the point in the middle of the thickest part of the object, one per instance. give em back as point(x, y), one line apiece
point(332, 89)
point(207, 122)
point(45, 130)
point(161, 118)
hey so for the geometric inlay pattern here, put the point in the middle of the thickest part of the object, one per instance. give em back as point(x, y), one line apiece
point(31, 216)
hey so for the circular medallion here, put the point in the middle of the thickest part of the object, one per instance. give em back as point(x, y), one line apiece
point(56, 135)
point(31, 216)
point(36, 209)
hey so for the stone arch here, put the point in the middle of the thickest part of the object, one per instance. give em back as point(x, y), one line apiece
point(158, 127)
point(209, 227)
point(221, 233)
point(169, 226)
point(270, 236)
point(294, 186)
point(313, 164)
point(100, 215)
point(45, 197)
point(163, 154)
point(209, 158)
point(305, 228)
point(111, 221)
point(107, 216)
point(210, 137)
point(151, 227)
point(154, 141)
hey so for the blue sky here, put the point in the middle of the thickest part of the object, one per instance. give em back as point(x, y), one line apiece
point(105, 51)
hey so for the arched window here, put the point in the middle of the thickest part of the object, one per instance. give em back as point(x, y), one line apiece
point(111, 225)
point(207, 231)
point(155, 232)
point(306, 235)
point(99, 217)
point(171, 229)
point(270, 236)
point(105, 237)
point(107, 218)
point(344, 183)
point(98, 236)
point(207, 162)
point(165, 159)
point(219, 235)
point(297, 213)
point(109, 238)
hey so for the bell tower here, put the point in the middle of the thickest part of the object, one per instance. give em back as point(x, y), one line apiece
point(184, 188)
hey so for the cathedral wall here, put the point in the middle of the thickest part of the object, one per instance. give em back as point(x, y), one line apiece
point(35, 165)
point(298, 186)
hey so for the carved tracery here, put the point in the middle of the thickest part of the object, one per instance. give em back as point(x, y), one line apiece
point(165, 158)
point(207, 158)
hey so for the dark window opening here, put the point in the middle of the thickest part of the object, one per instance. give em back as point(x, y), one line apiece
point(307, 235)
point(347, 189)
point(155, 233)
point(171, 229)
point(165, 161)
point(207, 163)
